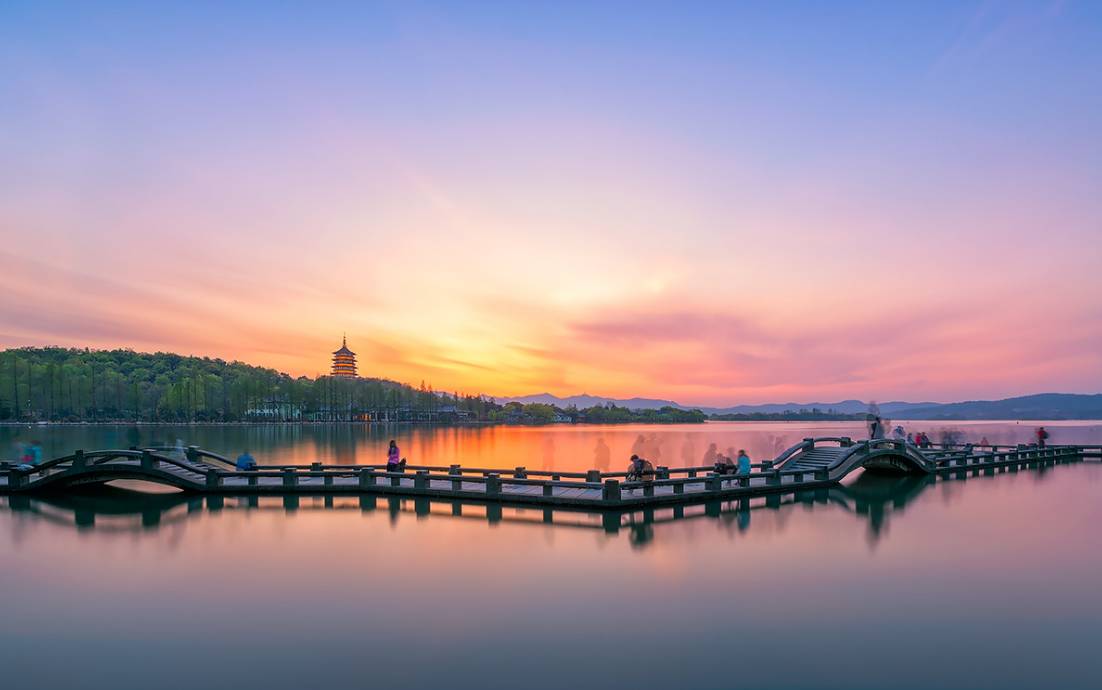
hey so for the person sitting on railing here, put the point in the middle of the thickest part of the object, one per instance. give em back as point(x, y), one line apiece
point(245, 462)
point(394, 460)
point(640, 469)
point(743, 463)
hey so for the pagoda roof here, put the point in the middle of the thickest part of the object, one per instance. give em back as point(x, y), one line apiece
point(344, 348)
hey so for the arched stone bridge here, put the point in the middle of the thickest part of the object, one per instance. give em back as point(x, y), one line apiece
point(812, 464)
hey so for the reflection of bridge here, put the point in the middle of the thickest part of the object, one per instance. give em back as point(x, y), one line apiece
point(811, 464)
point(872, 497)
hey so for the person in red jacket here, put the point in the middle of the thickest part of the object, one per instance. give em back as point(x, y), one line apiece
point(1042, 436)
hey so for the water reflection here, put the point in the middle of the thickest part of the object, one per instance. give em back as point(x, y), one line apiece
point(871, 498)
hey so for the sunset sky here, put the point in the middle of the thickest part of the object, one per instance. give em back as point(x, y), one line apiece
point(695, 201)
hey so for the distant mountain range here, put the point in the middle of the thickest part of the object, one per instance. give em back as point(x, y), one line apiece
point(1041, 406)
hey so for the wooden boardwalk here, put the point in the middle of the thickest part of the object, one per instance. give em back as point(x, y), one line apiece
point(813, 463)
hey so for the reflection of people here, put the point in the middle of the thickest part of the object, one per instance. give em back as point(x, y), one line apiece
point(601, 454)
point(245, 462)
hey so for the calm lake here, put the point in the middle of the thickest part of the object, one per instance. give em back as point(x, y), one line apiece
point(884, 582)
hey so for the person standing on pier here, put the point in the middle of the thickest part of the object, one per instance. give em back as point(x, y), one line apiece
point(743, 463)
point(1042, 436)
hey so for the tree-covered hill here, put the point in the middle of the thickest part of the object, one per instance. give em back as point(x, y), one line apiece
point(59, 384)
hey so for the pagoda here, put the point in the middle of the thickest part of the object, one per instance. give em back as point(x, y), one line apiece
point(344, 361)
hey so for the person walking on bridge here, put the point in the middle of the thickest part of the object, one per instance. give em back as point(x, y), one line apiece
point(1042, 436)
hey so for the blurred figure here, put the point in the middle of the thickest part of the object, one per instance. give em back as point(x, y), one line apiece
point(743, 463)
point(910, 438)
point(710, 454)
point(876, 424)
point(601, 454)
point(32, 456)
point(245, 462)
point(639, 446)
point(899, 434)
point(654, 447)
point(984, 443)
point(688, 452)
point(1042, 436)
point(548, 453)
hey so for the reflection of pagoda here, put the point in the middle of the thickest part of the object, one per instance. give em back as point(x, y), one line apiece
point(344, 361)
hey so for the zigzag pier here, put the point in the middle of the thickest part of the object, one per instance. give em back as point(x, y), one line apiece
point(814, 463)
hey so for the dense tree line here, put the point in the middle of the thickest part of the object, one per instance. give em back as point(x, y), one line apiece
point(813, 415)
point(57, 384)
point(540, 413)
point(75, 385)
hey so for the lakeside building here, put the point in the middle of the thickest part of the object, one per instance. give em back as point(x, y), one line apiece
point(344, 361)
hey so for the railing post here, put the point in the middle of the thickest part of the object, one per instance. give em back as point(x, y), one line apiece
point(147, 459)
point(774, 479)
point(16, 478)
point(713, 482)
point(79, 461)
point(192, 454)
point(548, 490)
point(679, 488)
point(822, 475)
point(421, 479)
point(290, 478)
point(593, 476)
point(662, 472)
point(520, 473)
point(845, 442)
point(611, 493)
point(315, 467)
point(493, 484)
point(810, 442)
point(367, 478)
point(214, 479)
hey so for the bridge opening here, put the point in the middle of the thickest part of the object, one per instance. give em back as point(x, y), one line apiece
point(142, 486)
